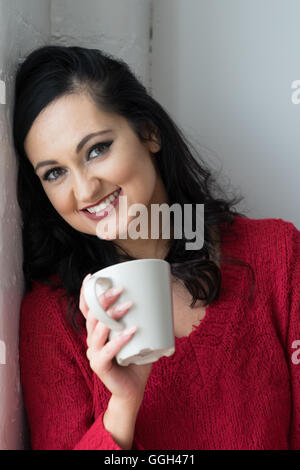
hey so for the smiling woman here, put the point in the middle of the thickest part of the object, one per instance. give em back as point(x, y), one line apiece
point(85, 127)
point(86, 131)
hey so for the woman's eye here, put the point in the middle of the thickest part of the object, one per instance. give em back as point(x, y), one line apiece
point(99, 149)
point(48, 176)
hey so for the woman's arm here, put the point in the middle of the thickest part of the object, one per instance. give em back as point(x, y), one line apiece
point(119, 420)
point(58, 385)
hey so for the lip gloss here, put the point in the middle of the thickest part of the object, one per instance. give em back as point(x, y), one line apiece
point(105, 212)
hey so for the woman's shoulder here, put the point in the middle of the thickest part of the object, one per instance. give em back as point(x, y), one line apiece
point(269, 235)
point(44, 308)
point(46, 328)
point(271, 246)
point(40, 297)
point(262, 226)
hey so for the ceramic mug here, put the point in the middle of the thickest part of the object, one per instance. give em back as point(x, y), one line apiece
point(147, 283)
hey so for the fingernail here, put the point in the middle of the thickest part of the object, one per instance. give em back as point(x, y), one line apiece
point(128, 331)
point(114, 291)
point(124, 306)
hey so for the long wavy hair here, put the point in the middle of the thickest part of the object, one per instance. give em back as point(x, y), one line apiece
point(59, 256)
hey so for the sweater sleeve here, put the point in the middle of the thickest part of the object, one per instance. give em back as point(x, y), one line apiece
point(293, 339)
point(57, 386)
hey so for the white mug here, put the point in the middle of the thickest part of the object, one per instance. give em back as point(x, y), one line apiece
point(147, 283)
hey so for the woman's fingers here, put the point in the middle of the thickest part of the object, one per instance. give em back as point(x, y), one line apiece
point(108, 297)
point(118, 311)
point(114, 312)
point(101, 351)
point(101, 359)
point(93, 324)
point(98, 337)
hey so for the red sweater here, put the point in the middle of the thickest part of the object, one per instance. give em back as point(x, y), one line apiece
point(233, 383)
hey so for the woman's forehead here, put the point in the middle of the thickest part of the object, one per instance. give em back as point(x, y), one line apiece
point(68, 118)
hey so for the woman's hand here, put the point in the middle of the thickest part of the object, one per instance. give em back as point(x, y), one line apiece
point(126, 383)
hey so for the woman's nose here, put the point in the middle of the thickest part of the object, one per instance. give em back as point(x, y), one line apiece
point(86, 189)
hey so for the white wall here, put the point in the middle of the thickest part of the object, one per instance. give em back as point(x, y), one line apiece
point(224, 70)
point(23, 26)
point(119, 27)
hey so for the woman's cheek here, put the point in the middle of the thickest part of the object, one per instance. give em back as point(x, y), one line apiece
point(59, 201)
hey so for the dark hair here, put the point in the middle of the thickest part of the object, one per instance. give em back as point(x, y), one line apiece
point(53, 248)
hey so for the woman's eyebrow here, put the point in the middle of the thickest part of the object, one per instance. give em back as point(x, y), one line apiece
point(88, 137)
point(78, 148)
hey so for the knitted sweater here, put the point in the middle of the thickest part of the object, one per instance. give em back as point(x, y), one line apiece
point(233, 383)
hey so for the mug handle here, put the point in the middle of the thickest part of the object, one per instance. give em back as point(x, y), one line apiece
point(91, 298)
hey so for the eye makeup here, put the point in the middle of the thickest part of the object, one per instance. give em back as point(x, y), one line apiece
point(102, 146)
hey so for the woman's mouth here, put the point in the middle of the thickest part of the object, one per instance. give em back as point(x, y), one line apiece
point(101, 211)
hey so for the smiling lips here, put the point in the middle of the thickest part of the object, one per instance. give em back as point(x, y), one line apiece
point(99, 212)
point(102, 203)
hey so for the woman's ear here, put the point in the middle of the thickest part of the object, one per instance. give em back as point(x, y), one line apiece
point(154, 143)
point(151, 133)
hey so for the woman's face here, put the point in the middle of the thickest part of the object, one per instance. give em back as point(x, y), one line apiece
point(92, 153)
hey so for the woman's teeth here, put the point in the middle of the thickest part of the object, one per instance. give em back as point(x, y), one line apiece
point(104, 204)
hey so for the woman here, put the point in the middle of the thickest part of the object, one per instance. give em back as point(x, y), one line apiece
point(85, 128)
